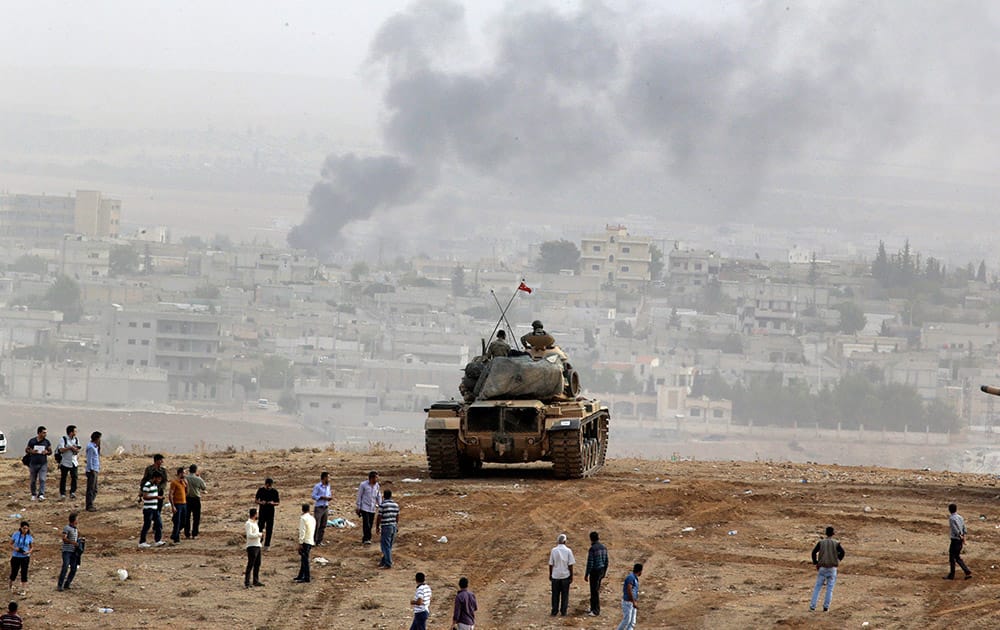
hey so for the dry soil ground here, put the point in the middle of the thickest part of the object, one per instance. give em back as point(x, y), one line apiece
point(500, 528)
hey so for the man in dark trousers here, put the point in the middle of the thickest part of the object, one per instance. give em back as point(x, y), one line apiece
point(826, 556)
point(956, 525)
point(266, 499)
point(157, 466)
point(597, 568)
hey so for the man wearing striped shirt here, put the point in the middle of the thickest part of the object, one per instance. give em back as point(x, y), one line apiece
point(151, 498)
point(597, 568)
point(386, 526)
point(421, 603)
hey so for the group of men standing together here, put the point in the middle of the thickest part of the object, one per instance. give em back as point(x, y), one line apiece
point(36, 458)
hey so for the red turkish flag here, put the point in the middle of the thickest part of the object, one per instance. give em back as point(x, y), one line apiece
point(524, 287)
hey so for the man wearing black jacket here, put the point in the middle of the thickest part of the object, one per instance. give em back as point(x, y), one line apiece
point(826, 556)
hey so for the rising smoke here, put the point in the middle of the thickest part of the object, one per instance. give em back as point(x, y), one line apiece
point(565, 96)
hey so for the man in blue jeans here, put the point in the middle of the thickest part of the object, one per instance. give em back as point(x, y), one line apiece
point(630, 598)
point(826, 555)
point(386, 524)
point(70, 557)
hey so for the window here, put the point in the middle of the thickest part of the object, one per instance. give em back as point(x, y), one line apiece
point(695, 412)
point(145, 324)
point(144, 362)
point(697, 266)
point(145, 342)
point(625, 268)
point(611, 258)
point(717, 413)
point(130, 362)
point(626, 250)
point(131, 324)
point(93, 255)
point(595, 267)
point(314, 405)
point(95, 272)
point(597, 248)
point(131, 342)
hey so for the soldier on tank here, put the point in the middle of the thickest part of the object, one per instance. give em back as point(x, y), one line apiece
point(499, 347)
point(537, 330)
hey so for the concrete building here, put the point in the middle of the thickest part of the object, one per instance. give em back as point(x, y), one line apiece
point(21, 327)
point(93, 384)
point(689, 272)
point(184, 342)
point(616, 257)
point(82, 258)
point(48, 217)
point(95, 215)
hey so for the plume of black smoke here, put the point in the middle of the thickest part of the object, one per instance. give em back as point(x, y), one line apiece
point(352, 188)
point(570, 95)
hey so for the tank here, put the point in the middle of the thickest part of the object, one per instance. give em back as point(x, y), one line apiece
point(518, 409)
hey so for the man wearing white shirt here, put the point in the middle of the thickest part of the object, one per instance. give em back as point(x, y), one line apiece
point(307, 529)
point(421, 603)
point(561, 563)
point(253, 550)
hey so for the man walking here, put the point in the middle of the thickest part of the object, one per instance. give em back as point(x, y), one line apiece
point(253, 551)
point(38, 449)
point(321, 497)
point(178, 499)
point(630, 598)
point(266, 499)
point(157, 466)
point(464, 616)
point(386, 526)
point(957, 530)
point(93, 468)
point(151, 498)
point(67, 454)
point(421, 603)
point(826, 556)
point(70, 557)
point(307, 530)
point(368, 501)
point(597, 568)
point(561, 563)
point(195, 486)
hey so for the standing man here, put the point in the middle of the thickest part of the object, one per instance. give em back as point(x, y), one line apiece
point(369, 498)
point(68, 451)
point(22, 544)
point(386, 526)
point(307, 530)
point(93, 468)
point(826, 556)
point(321, 496)
point(253, 551)
point(630, 598)
point(957, 529)
point(266, 499)
point(70, 557)
point(39, 448)
point(151, 498)
point(178, 499)
point(597, 568)
point(561, 563)
point(195, 486)
point(421, 603)
point(464, 617)
point(157, 466)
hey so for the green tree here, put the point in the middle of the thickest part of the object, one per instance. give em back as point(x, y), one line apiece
point(275, 371)
point(881, 269)
point(123, 260)
point(64, 296)
point(655, 263)
point(29, 263)
point(359, 270)
point(852, 318)
point(288, 403)
point(458, 288)
point(981, 272)
point(556, 255)
point(813, 270)
point(207, 292)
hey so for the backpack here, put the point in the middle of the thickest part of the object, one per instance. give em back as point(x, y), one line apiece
point(26, 460)
point(62, 443)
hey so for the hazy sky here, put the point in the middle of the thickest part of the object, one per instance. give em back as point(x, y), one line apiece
point(708, 105)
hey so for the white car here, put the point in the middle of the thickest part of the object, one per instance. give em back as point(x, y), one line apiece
point(3, 442)
point(262, 403)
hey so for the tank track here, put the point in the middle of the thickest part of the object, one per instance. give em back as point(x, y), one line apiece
point(580, 453)
point(442, 454)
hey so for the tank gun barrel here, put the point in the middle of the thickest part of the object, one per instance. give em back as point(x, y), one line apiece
point(989, 389)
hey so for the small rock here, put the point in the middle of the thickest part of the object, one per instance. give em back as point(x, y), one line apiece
point(868, 509)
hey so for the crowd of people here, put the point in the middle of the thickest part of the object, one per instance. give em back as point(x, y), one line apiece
point(379, 514)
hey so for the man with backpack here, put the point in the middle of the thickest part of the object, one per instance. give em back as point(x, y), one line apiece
point(66, 457)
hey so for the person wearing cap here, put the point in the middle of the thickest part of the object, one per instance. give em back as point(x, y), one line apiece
point(266, 498)
point(561, 563)
point(369, 498)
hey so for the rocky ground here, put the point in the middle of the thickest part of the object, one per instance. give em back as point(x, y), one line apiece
point(500, 527)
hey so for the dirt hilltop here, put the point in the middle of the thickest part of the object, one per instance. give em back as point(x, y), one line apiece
point(500, 528)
